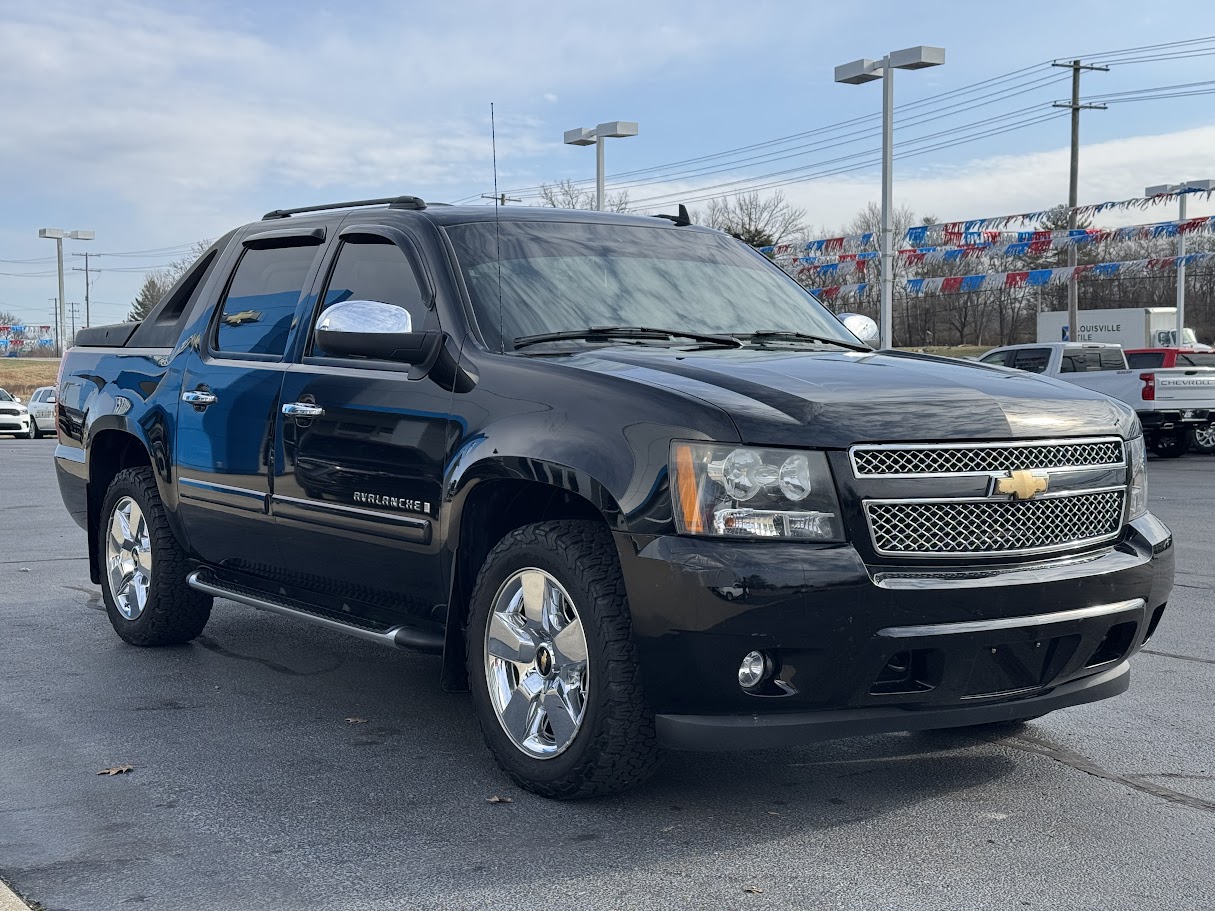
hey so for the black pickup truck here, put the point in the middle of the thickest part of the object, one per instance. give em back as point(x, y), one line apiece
point(635, 486)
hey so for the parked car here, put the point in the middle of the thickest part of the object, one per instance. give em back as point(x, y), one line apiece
point(15, 418)
point(636, 486)
point(1203, 436)
point(1172, 403)
point(42, 410)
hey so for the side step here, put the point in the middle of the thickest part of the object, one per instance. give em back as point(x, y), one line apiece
point(399, 636)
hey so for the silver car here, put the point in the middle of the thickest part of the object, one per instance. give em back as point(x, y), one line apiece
point(42, 410)
point(15, 418)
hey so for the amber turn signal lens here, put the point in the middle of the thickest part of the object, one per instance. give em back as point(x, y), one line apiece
point(685, 481)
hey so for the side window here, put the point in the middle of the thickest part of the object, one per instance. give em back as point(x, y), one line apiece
point(1197, 359)
point(1033, 360)
point(1110, 359)
point(1000, 358)
point(1073, 361)
point(377, 270)
point(256, 313)
point(1145, 360)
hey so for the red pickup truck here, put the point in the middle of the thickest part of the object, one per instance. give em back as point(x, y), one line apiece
point(1140, 358)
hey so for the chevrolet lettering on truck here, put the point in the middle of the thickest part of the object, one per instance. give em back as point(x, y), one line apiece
point(636, 488)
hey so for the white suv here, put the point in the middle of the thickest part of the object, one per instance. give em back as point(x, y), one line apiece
point(15, 418)
point(42, 410)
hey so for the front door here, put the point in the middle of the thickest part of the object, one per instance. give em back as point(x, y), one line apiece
point(357, 496)
point(229, 402)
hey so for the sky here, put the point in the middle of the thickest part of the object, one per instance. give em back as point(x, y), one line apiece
point(158, 125)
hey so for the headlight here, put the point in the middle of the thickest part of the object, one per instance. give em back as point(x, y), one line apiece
point(725, 490)
point(1136, 454)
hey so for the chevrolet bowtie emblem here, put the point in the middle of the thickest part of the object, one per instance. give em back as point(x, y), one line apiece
point(1021, 485)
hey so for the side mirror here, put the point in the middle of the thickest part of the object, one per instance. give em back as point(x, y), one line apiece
point(372, 329)
point(17, 399)
point(862, 327)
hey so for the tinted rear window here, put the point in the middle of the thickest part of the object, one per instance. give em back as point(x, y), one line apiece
point(1146, 359)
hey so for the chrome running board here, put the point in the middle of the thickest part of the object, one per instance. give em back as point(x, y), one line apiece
point(399, 636)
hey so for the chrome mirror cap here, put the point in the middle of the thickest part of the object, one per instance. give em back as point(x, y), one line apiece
point(862, 327)
point(364, 316)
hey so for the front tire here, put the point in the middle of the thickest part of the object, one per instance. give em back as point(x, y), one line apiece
point(143, 567)
point(552, 667)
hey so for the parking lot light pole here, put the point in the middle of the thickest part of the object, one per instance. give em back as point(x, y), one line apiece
point(616, 129)
point(58, 234)
point(864, 70)
point(1162, 190)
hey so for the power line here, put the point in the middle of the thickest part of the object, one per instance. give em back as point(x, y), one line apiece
point(858, 166)
point(932, 100)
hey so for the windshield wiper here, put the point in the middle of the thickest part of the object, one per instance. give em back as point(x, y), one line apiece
point(641, 333)
point(790, 335)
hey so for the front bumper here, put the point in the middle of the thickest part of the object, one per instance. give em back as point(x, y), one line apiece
point(862, 649)
point(753, 732)
point(14, 423)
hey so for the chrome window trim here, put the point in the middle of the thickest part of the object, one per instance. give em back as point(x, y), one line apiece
point(1003, 444)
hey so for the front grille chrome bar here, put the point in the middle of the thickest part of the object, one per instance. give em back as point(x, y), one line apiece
point(995, 526)
point(943, 460)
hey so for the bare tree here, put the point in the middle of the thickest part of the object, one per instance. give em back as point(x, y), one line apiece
point(158, 283)
point(760, 221)
point(565, 194)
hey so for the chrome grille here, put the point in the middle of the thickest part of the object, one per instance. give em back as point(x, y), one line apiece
point(982, 458)
point(974, 527)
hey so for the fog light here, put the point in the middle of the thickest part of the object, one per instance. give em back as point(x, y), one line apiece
point(753, 670)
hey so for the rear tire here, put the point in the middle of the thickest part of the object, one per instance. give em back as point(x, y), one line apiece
point(144, 568)
point(1171, 445)
point(554, 593)
point(1204, 439)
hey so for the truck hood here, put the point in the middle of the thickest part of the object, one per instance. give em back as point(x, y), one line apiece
point(837, 399)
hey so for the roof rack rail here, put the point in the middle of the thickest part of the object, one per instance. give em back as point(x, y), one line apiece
point(396, 202)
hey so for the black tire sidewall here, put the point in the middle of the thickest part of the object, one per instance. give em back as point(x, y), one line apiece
point(149, 627)
point(497, 570)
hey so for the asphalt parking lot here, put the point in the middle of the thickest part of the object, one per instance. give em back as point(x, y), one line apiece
point(251, 789)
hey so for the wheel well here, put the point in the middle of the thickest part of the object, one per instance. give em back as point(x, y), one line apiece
point(494, 509)
point(110, 452)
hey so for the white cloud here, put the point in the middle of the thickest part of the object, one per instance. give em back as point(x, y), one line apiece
point(550, 97)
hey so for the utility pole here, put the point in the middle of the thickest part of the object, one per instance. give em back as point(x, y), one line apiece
point(74, 308)
point(503, 199)
point(88, 313)
point(1073, 288)
point(58, 335)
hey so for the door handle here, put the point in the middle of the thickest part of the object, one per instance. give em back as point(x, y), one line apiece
point(303, 410)
point(198, 398)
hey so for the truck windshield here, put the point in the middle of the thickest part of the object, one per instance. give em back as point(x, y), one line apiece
point(559, 276)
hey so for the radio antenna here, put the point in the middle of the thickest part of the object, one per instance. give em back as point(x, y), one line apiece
point(493, 140)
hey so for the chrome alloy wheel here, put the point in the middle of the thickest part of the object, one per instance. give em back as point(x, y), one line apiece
point(536, 663)
point(128, 558)
point(1204, 436)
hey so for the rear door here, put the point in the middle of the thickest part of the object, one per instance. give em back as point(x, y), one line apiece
point(229, 398)
point(357, 495)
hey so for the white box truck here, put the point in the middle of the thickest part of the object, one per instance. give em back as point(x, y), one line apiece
point(1130, 327)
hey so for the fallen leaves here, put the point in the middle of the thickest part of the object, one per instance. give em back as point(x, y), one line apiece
point(117, 770)
point(354, 720)
point(497, 799)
